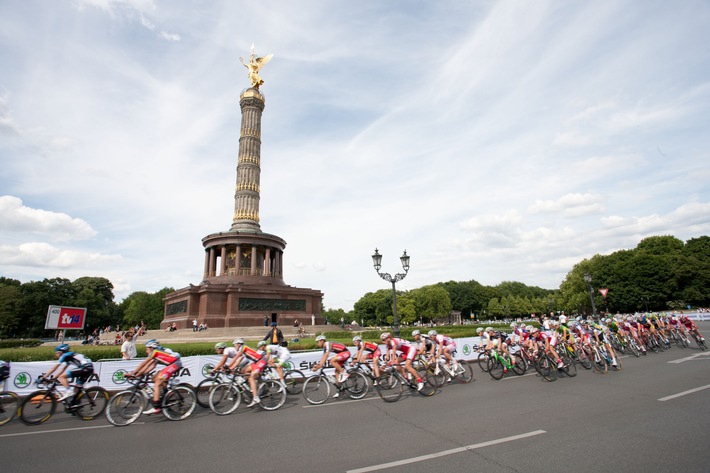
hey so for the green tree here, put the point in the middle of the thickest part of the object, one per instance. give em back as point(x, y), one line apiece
point(145, 307)
point(37, 296)
point(431, 302)
point(10, 307)
point(96, 294)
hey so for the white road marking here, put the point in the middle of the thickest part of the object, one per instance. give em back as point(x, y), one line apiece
point(37, 432)
point(689, 391)
point(338, 403)
point(445, 452)
point(691, 357)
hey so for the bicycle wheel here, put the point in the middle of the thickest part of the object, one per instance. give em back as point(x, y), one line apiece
point(464, 373)
point(600, 364)
point(570, 368)
point(179, 403)
point(585, 358)
point(495, 368)
point(91, 402)
point(294, 381)
point(519, 367)
point(427, 389)
point(435, 375)
point(389, 387)
point(356, 386)
point(634, 348)
point(202, 391)
point(224, 399)
point(483, 362)
point(272, 394)
point(316, 389)
point(38, 407)
point(125, 407)
point(9, 405)
point(547, 368)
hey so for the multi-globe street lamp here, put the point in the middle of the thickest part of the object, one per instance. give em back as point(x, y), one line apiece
point(588, 279)
point(377, 262)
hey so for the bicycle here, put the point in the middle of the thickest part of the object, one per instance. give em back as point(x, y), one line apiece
point(203, 388)
point(699, 340)
point(364, 368)
point(9, 405)
point(177, 402)
point(40, 405)
point(316, 389)
point(391, 383)
point(460, 371)
point(499, 364)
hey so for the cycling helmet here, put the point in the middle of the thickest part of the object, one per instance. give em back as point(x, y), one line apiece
point(261, 343)
point(63, 347)
point(385, 336)
point(479, 330)
point(513, 325)
point(320, 337)
point(433, 333)
point(489, 329)
point(220, 346)
point(356, 339)
point(152, 344)
point(415, 333)
point(238, 341)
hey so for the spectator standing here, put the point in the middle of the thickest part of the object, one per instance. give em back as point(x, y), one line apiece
point(194, 325)
point(128, 349)
point(275, 336)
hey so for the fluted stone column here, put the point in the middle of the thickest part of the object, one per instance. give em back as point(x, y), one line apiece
point(246, 196)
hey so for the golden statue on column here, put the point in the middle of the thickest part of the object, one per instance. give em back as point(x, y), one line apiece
point(254, 66)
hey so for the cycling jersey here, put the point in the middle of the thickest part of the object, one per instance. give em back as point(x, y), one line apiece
point(341, 351)
point(81, 367)
point(169, 358)
point(280, 354)
point(406, 348)
point(372, 350)
point(446, 342)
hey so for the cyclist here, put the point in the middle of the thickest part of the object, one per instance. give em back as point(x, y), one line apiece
point(276, 356)
point(70, 365)
point(691, 326)
point(367, 351)
point(549, 339)
point(341, 355)
point(408, 352)
point(163, 356)
point(228, 355)
point(251, 362)
point(602, 335)
point(444, 346)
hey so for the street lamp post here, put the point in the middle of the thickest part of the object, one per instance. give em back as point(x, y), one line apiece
point(377, 262)
point(588, 279)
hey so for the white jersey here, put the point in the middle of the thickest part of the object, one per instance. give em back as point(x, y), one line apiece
point(278, 352)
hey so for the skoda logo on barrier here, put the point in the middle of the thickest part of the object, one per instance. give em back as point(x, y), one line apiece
point(22, 380)
point(207, 369)
point(119, 376)
point(288, 366)
point(466, 349)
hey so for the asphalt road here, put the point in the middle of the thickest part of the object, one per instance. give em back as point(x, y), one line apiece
point(591, 423)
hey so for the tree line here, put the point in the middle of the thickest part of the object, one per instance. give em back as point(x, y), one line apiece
point(661, 273)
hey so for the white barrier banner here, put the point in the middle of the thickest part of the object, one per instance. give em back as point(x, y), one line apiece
point(111, 374)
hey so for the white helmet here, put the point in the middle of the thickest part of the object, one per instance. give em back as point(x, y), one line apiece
point(356, 339)
point(415, 333)
point(479, 330)
point(433, 333)
point(385, 336)
point(261, 343)
point(320, 337)
point(238, 341)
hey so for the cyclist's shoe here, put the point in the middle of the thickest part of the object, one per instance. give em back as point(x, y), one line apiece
point(254, 402)
point(344, 376)
point(437, 370)
point(374, 383)
point(448, 379)
point(560, 365)
point(420, 385)
point(152, 410)
point(336, 395)
point(65, 395)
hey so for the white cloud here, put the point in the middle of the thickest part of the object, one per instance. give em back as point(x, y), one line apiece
point(39, 254)
point(571, 205)
point(16, 217)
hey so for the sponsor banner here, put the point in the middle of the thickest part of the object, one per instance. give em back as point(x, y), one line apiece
point(111, 374)
point(65, 318)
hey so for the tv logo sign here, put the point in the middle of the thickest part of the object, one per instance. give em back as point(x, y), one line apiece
point(71, 318)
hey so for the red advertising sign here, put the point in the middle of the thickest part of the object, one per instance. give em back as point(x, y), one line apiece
point(65, 318)
point(604, 292)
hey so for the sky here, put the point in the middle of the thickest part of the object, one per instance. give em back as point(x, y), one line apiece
point(493, 141)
